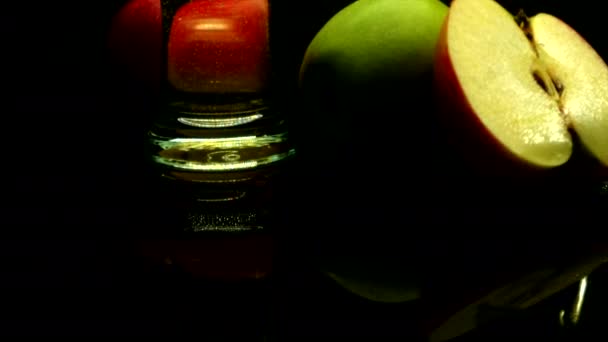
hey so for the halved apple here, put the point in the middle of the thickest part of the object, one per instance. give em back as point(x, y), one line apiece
point(521, 93)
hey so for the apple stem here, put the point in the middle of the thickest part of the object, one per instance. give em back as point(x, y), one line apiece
point(522, 21)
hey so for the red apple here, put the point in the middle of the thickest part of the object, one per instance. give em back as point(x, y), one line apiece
point(520, 93)
point(219, 46)
point(135, 40)
point(213, 46)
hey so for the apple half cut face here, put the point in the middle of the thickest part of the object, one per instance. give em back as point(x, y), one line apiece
point(533, 86)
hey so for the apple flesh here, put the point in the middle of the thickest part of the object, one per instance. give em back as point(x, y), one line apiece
point(520, 92)
point(219, 46)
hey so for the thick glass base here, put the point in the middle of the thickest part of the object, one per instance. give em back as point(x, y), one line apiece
point(216, 171)
point(213, 191)
point(236, 202)
point(219, 142)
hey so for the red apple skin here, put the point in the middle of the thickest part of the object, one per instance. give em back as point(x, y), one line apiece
point(219, 46)
point(135, 40)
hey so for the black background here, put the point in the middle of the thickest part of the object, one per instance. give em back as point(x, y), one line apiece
point(73, 171)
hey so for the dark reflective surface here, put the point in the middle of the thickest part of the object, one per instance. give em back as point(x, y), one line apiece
point(95, 288)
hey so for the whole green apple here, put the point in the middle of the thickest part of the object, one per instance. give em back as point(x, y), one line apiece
point(367, 76)
point(365, 137)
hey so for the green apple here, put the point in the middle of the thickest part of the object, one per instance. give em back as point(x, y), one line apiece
point(365, 78)
point(372, 49)
point(368, 39)
point(380, 279)
point(368, 72)
point(366, 86)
